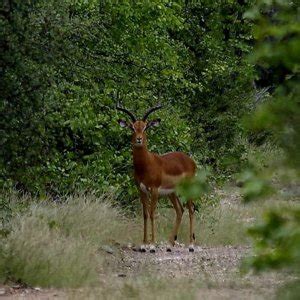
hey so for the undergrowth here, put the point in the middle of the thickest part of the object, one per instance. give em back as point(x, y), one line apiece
point(59, 245)
point(65, 244)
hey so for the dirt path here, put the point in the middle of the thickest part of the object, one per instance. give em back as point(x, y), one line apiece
point(216, 270)
point(216, 261)
point(213, 272)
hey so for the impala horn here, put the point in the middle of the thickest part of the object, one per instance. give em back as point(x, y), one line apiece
point(123, 109)
point(151, 110)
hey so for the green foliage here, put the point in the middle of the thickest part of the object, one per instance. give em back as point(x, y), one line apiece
point(58, 69)
point(61, 62)
point(194, 188)
point(277, 239)
point(278, 45)
point(255, 186)
point(219, 39)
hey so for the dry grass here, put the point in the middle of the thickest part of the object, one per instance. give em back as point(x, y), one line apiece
point(217, 225)
point(39, 256)
point(144, 287)
point(224, 223)
point(59, 244)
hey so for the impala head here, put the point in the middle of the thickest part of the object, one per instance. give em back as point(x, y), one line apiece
point(139, 127)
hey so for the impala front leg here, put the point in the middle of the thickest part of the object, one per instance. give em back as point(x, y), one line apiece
point(191, 208)
point(144, 200)
point(153, 203)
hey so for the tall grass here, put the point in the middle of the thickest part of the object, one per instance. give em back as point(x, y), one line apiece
point(62, 244)
point(58, 244)
point(216, 226)
point(35, 254)
point(224, 223)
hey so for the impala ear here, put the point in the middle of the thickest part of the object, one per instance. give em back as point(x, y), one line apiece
point(124, 124)
point(153, 123)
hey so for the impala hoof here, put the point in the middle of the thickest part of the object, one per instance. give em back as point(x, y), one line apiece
point(142, 248)
point(191, 248)
point(152, 249)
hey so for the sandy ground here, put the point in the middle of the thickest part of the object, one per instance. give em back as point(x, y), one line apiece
point(217, 267)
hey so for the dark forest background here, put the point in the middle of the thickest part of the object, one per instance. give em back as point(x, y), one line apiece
point(65, 64)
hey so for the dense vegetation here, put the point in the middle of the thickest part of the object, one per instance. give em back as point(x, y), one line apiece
point(278, 45)
point(64, 64)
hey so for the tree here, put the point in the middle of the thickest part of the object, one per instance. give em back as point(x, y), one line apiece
point(219, 40)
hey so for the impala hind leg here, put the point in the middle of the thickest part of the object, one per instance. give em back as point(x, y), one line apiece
point(191, 208)
point(179, 212)
point(144, 201)
point(153, 204)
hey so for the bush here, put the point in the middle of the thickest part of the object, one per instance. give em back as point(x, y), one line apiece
point(277, 238)
point(219, 40)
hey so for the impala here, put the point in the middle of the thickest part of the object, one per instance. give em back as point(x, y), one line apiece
point(157, 175)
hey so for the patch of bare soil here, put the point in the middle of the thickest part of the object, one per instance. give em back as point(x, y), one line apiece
point(216, 270)
point(217, 261)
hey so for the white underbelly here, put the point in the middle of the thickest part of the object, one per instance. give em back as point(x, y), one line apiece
point(161, 191)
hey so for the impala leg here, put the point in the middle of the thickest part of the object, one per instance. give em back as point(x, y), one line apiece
point(153, 203)
point(179, 204)
point(144, 201)
point(179, 212)
point(191, 209)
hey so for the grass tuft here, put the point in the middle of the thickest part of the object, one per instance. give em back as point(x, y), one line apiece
point(38, 255)
point(58, 244)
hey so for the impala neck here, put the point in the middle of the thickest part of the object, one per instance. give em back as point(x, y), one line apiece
point(140, 158)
